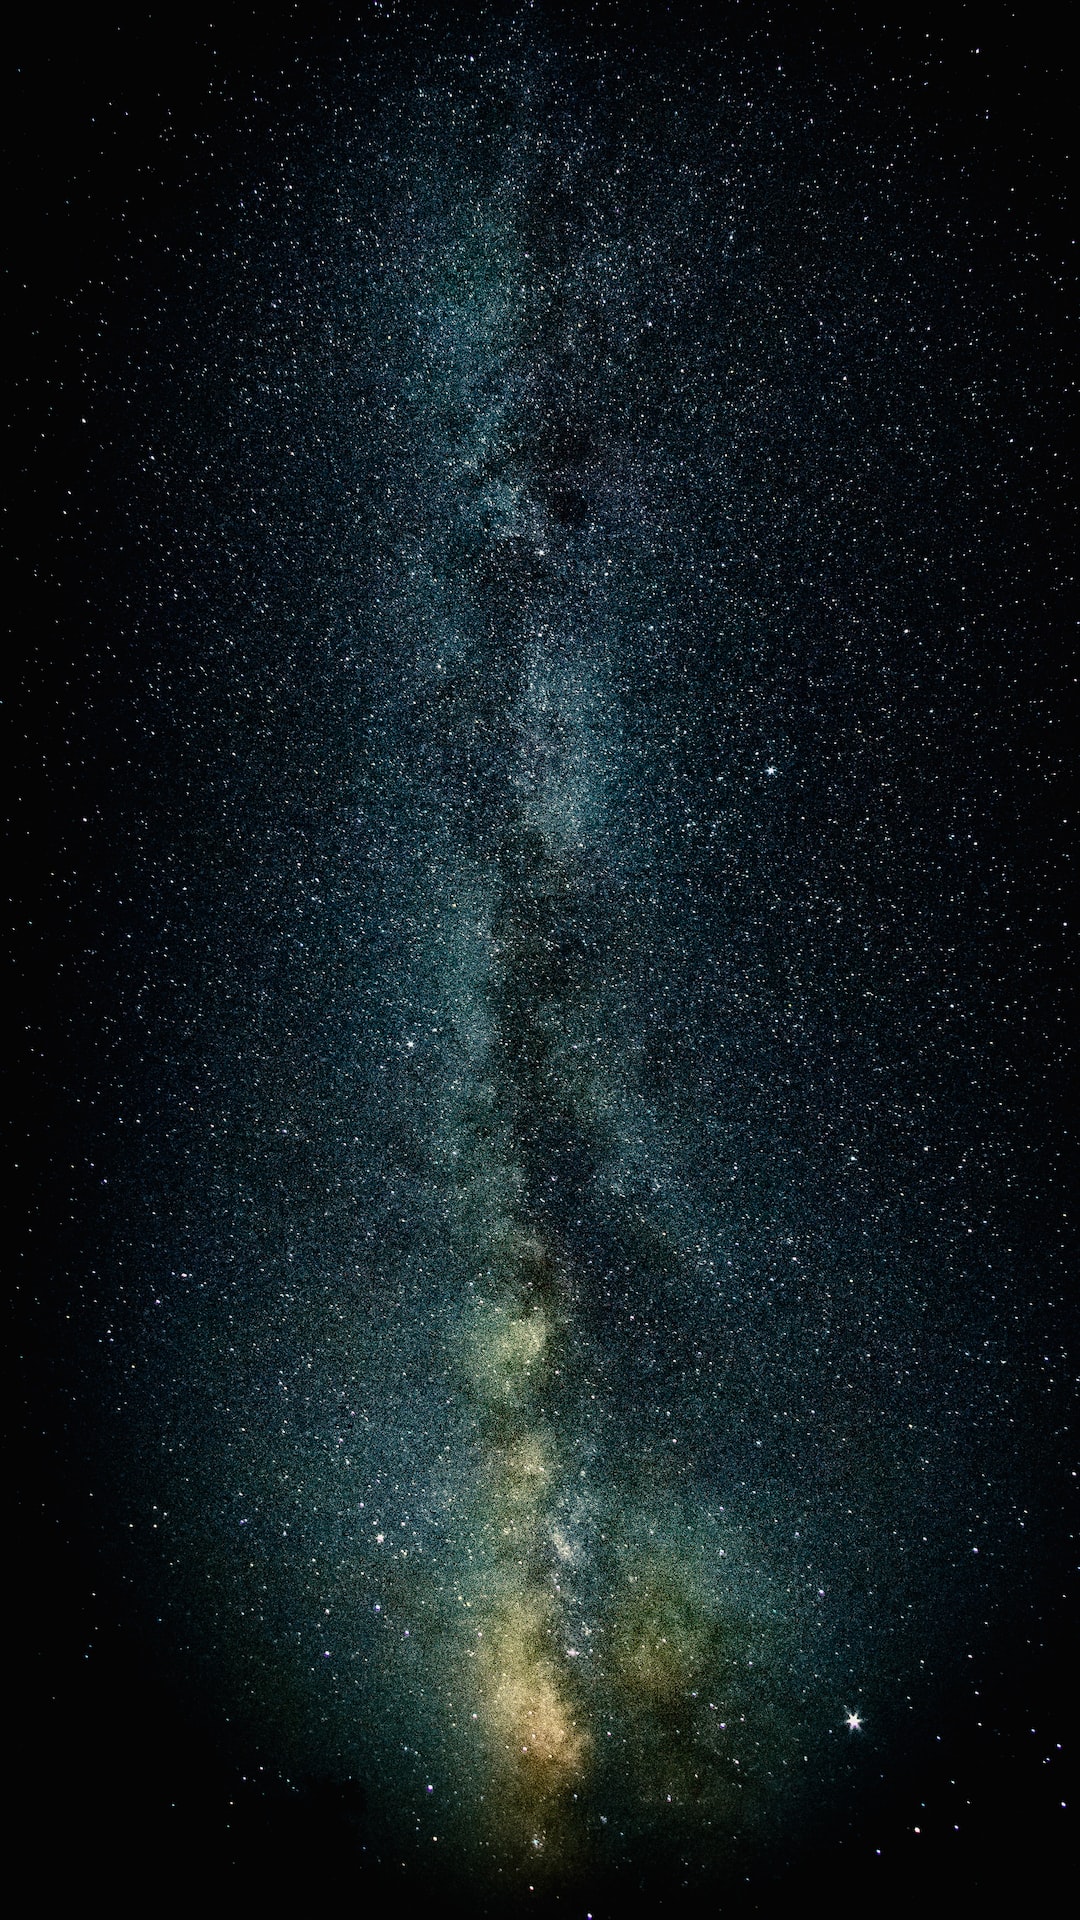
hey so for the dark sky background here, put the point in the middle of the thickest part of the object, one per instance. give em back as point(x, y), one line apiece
point(713, 583)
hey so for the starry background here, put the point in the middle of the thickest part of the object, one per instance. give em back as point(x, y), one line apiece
point(541, 602)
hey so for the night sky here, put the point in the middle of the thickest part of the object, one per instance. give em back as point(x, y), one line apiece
point(541, 614)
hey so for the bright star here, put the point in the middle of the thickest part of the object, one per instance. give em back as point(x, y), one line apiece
point(853, 1721)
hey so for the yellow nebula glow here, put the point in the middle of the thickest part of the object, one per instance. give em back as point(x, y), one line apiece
point(525, 1702)
point(522, 1685)
point(525, 1469)
point(507, 1347)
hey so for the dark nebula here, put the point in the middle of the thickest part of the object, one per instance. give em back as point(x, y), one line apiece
point(540, 567)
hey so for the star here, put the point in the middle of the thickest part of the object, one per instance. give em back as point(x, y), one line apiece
point(853, 1721)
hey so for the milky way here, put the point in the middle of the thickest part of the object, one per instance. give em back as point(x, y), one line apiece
point(569, 1357)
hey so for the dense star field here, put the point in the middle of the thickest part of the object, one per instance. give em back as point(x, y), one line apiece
point(540, 555)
